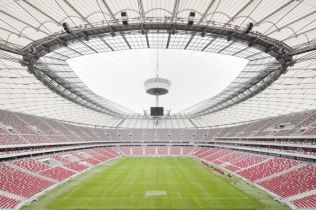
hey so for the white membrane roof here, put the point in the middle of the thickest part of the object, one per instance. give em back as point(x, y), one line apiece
point(24, 21)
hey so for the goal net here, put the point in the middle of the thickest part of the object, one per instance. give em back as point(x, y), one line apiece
point(155, 193)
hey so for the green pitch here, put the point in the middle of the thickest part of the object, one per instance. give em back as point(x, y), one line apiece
point(156, 183)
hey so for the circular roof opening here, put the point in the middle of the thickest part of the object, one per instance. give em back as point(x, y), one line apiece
point(119, 76)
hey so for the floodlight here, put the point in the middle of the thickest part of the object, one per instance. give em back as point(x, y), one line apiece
point(248, 28)
point(66, 27)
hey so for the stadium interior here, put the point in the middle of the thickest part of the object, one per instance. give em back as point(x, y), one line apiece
point(231, 84)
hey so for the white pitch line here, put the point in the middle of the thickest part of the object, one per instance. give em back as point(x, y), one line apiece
point(206, 169)
point(107, 190)
point(132, 195)
point(203, 190)
point(179, 195)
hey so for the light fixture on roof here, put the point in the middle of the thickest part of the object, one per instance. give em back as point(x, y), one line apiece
point(191, 18)
point(248, 28)
point(124, 18)
point(66, 27)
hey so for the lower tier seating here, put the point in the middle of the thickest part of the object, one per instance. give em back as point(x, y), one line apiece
point(267, 168)
point(187, 150)
point(21, 183)
point(137, 150)
point(58, 173)
point(306, 202)
point(76, 166)
point(59, 158)
point(31, 165)
point(297, 181)
point(8, 203)
point(91, 161)
point(175, 150)
point(162, 150)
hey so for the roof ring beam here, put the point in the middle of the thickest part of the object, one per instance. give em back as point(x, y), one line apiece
point(216, 31)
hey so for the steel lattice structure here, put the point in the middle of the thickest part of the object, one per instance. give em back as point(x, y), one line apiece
point(268, 86)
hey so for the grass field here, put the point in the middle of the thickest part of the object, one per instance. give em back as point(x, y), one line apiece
point(169, 182)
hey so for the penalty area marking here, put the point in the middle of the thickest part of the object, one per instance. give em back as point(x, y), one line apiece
point(107, 190)
point(159, 194)
point(203, 190)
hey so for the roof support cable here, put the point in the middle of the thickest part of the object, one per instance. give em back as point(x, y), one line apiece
point(240, 11)
point(112, 32)
point(250, 13)
point(34, 18)
point(282, 17)
point(204, 31)
point(295, 33)
point(19, 33)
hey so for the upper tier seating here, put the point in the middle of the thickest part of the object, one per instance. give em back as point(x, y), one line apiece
point(36, 139)
point(293, 120)
point(8, 203)
point(58, 139)
point(16, 128)
point(188, 135)
point(10, 119)
point(293, 182)
point(137, 134)
point(149, 134)
point(200, 134)
point(238, 130)
point(212, 133)
point(226, 131)
point(113, 134)
point(101, 133)
point(2, 129)
point(175, 135)
point(272, 166)
point(310, 132)
point(21, 183)
point(57, 126)
point(125, 134)
point(38, 123)
point(88, 133)
point(58, 173)
point(31, 165)
point(8, 139)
